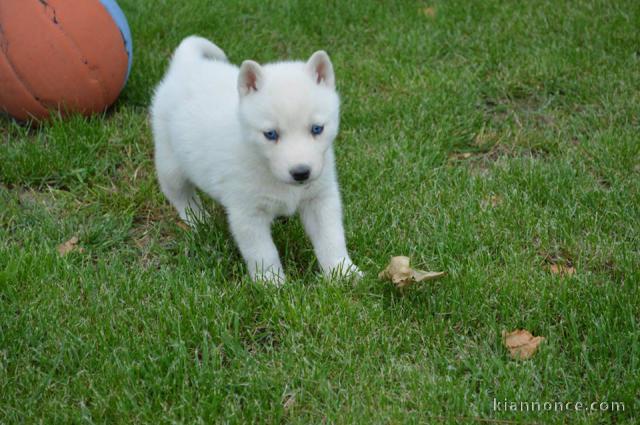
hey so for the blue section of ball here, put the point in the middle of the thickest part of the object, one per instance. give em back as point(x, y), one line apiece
point(121, 21)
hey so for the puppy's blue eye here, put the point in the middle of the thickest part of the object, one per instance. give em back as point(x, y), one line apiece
point(316, 129)
point(271, 135)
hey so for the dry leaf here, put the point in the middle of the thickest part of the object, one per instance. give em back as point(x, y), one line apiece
point(68, 246)
point(183, 225)
point(143, 241)
point(459, 156)
point(562, 270)
point(493, 201)
point(290, 400)
point(486, 138)
point(399, 272)
point(429, 12)
point(521, 343)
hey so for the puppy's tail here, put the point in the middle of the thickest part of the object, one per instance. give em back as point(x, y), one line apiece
point(195, 48)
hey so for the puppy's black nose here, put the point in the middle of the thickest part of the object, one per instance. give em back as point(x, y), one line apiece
point(300, 173)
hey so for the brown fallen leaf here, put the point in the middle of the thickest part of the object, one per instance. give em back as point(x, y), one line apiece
point(289, 401)
point(182, 225)
point(562, 269)
point(429, 12)
point(68, 246)
point(521, 343)
point(460, 155)
point(399, 272)
point(492, 201)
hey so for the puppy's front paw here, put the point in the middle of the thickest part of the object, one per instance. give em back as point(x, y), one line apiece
point(344, 269)
point(272, 275)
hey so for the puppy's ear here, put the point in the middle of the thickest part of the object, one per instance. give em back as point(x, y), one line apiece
point(250, 78)
point(321, 69)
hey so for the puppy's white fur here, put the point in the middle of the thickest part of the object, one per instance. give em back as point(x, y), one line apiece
point(209, 119)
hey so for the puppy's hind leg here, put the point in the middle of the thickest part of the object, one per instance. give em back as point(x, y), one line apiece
point(176, 186)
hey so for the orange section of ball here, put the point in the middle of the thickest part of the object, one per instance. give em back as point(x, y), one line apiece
point(59, 55)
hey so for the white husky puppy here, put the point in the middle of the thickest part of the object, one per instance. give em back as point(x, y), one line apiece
point(258, 139)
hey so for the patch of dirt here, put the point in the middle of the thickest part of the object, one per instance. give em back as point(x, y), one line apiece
point(610, 267)
point(558, 262)
point(480, 161)
point(509, 124)
point(152, 227)
point(31, 198)
point(523, 110)
point(261, 339)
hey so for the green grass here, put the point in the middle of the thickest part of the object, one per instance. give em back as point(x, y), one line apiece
point(155, 324)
